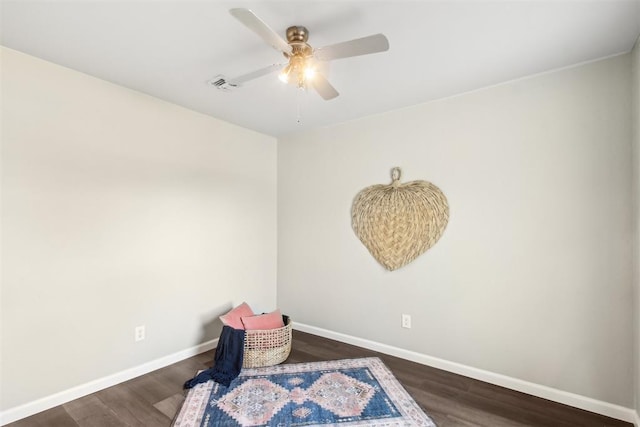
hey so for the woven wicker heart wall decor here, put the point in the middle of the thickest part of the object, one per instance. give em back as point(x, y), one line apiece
point(398, 222)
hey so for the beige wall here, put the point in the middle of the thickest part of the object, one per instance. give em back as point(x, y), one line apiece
point(532, 276)
point(636, 219)
point(119, 210)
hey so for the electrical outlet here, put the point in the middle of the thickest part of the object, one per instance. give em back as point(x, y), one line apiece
point(406, 321)
point(139, 334)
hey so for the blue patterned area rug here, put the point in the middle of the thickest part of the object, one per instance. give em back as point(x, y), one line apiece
point(351, 392)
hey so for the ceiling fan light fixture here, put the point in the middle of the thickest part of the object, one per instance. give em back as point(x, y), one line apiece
point(298, 71)
point(309, 73)
point(284, 74)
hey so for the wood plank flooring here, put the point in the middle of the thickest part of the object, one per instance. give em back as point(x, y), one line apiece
point(450, 399)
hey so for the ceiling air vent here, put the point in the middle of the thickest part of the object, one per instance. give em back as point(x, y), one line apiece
point(221, 82)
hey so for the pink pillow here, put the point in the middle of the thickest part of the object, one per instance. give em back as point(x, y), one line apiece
point(271, 320)
point(234, 317)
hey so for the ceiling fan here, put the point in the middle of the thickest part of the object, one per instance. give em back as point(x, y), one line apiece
point(301, 68)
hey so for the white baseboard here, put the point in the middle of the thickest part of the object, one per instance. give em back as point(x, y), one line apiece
point(48, 402)
point(571, 399)
point(637, 418)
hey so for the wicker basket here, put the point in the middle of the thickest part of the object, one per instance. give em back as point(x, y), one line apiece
point(268, 347)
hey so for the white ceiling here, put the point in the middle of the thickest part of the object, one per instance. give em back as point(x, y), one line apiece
point(170, 49)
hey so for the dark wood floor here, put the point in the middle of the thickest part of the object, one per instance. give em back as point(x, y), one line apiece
point(450, 399)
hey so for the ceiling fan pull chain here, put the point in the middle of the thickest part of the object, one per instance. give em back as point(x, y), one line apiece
point(298, 108)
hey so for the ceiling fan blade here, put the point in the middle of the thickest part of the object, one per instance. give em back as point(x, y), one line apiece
point(236, 81)
point(356, 47)
point(323, 87)
point(255, 24)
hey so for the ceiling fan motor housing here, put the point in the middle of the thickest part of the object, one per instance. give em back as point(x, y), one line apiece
point(297, 37)
point(297, 34)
